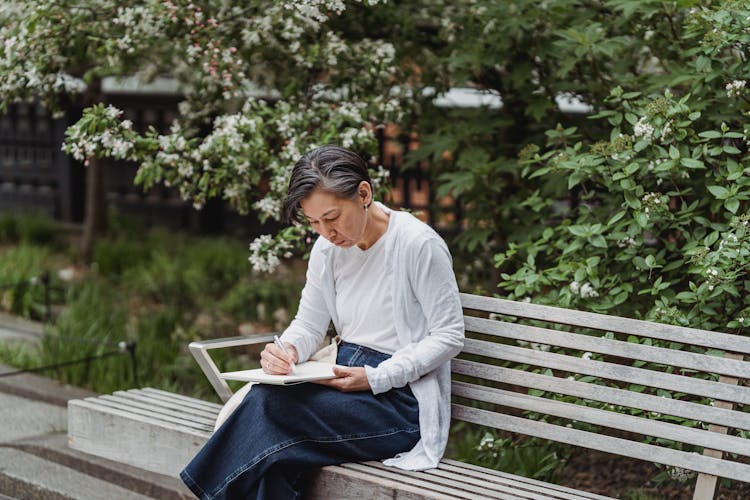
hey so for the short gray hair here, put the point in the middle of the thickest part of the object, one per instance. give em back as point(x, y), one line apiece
point(330, 168)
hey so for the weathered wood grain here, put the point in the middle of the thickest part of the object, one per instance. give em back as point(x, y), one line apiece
point(609, 370)
point(705, 485)
point(619, 348)
point(610, 444)
point(693, 336)
point(610, 419)
point(604, 394)
point(483, 474)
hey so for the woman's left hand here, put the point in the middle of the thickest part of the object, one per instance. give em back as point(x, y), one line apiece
point(348, 379)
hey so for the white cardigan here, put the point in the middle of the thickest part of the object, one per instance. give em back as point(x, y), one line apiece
point(428, 319)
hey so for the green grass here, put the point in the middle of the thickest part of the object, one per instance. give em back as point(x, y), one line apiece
point(156, 288)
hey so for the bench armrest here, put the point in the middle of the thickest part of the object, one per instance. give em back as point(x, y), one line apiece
point(199, 349)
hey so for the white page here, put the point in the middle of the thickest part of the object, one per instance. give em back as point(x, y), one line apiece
point(303, 372)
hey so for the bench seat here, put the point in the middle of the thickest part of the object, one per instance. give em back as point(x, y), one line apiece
point(161, 431)
point(668, 395)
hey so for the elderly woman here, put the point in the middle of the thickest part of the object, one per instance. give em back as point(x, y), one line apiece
point(386, 282)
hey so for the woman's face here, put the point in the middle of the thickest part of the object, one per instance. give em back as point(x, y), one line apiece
point(339, 220)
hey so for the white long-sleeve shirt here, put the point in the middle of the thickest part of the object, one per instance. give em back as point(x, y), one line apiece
point(364, 300)
point(429, 324)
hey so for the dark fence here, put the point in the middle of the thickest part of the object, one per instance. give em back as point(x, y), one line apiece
point(35, 175)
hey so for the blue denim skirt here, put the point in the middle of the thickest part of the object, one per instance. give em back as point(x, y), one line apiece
point(278, 434)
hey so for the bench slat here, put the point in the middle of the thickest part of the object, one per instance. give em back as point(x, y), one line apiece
point(484, 474)
point(660, 355)
point(609, 444)
point(101, 401)
point(611, 395)
point(485, 485)
point(421, 483)
point(159, 411)
point(683, 335)
point(612, 420)
point(168, 406)
point(602, 369)
point(186, 400)
point(334, 479)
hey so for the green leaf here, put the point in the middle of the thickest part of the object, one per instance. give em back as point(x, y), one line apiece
point(575, 179)
point(579, 230)
point(642, 219)
point(619, 215)
point(691, 163)
point(719, 192)
point(580, 274)
point(598, 241)
point(732, 204)
point(710, 134)
point(702, 63)
point(539, 172)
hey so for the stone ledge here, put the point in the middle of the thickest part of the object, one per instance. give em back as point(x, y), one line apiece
point(54, 448)
point(27, 476)
point(38, 388)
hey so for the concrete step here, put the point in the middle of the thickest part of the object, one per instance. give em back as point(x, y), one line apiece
point(146, 428)
point(38, 388)
point(54, 448)
point(23, 475)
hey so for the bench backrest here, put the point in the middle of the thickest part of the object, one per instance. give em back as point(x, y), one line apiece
point(604, 382)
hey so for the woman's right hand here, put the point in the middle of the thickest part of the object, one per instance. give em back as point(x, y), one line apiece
point(275, 362)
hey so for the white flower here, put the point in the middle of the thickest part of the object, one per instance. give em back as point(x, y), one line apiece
point(735, 88)
point(588, 291)
point(680, 474)
point(643, 129)
point(586, 355)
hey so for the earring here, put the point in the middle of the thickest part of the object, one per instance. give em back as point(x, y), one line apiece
point(365, 207)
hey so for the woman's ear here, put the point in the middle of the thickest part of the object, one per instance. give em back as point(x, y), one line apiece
point(365, 193)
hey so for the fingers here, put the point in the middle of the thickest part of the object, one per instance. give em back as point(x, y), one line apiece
point(348, 379)
point(274, 361)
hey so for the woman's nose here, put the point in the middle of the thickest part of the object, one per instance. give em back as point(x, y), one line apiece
point(326, 230)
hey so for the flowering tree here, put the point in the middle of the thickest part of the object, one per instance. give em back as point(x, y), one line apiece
point(330, 84)
point(658, 222)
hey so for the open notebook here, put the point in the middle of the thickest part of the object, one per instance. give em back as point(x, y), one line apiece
point(303, 372)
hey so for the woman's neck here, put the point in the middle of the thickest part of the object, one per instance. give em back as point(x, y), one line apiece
point(376, 224)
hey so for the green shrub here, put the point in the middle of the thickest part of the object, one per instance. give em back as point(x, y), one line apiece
point(526, 457)
point(161, 291)
point(39, 229)
point(92, 324)
point(222, 262)
point(21, 268)
point(32, 228)
point(8, 228)
point(115, 257)
point(258, 299)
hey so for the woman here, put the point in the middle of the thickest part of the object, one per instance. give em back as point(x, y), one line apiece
point(385, 280)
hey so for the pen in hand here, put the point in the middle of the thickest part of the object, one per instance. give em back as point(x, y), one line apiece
point(278, 343)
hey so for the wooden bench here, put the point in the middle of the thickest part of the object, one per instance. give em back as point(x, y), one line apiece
point(583, 379)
